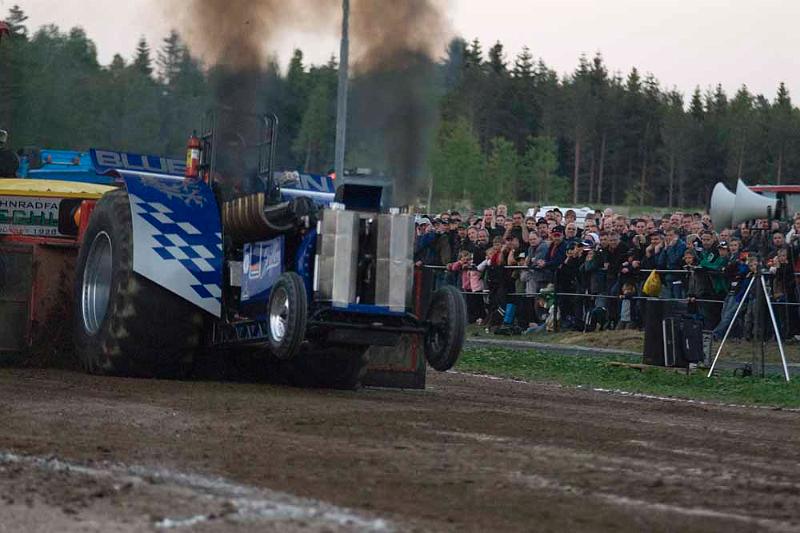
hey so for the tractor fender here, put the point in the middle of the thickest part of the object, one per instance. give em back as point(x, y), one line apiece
point(177, 236)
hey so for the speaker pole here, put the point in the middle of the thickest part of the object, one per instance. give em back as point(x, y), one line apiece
point(775, 328)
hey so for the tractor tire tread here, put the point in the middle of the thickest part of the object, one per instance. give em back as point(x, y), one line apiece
point(148, 331)
point(452, 300)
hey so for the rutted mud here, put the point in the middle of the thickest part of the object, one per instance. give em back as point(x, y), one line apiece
point(467, 454)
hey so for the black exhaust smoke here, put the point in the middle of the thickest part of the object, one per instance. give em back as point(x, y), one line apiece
point(394, 43)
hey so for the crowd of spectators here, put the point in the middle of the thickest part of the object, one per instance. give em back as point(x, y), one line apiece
point(523, 274)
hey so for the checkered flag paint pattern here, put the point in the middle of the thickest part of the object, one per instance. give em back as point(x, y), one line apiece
point(179, 240)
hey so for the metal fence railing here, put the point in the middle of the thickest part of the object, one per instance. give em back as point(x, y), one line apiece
point(608, 297)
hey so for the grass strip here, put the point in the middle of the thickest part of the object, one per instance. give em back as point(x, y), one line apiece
point(595, 372)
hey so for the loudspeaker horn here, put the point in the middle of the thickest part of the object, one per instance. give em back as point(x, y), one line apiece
point(750, 205)
point(722, 204)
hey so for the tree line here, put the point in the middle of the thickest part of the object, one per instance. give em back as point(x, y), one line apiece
point(506, 129)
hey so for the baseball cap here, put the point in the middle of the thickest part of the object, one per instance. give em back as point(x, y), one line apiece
point(422, 220)
point(557, 229)
point(723, 244)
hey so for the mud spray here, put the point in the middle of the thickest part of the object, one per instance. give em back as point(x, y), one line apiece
point(395, 44)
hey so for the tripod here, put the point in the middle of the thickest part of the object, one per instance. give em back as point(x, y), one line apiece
point(759, 279)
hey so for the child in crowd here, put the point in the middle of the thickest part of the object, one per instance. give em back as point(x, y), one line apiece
point(463, 266)
point(493, 266)
point(627, 312)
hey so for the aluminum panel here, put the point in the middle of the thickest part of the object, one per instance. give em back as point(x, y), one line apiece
point(394, 275)
point(338, 256)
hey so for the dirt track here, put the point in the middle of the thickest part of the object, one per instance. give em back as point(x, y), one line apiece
point(80, 453)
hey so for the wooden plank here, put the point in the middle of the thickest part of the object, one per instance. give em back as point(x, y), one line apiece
point(643, 367)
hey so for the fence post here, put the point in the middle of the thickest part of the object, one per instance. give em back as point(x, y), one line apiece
point(555, 302)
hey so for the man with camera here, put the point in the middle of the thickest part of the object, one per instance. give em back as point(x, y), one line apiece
point(571, 233)
point(518, 228)
point(568, 284)
point(707, 280)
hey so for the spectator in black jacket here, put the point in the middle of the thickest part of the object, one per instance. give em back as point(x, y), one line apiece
point(616, 255)
point(555, 254)
point(567, 277)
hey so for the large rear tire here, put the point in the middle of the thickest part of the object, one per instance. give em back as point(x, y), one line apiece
point(125, 324)
point(447, 317)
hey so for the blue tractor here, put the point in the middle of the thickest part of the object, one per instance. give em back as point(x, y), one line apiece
point(238, 257)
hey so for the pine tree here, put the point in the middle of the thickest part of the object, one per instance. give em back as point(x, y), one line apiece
point(740, 124)
point(16, 22)
point(716, 132)
point(117, 64)
point(550, 93)
point(673, 132)
point(580, 120)
point(782, 130)
point(599, 89)
point(782, 98)
point(316, 129)
point(523, 65)
point(81, 49)
point(12, 72)
point(143, 63)
point(651, 121)
point(453, 63)
point(297, 70)
point(169, 57)
point(696, 108)
point(717, 104)
point(297, 95)
point(497, 60)
point(522, 107)
point(473, 56)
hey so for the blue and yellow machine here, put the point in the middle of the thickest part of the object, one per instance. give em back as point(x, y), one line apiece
point(309, 276)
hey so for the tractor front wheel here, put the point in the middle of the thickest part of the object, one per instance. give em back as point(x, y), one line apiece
point(287, 314)
point(447, 323)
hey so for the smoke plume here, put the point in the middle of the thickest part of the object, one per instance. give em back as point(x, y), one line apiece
point(232, 38)
point(238, 33)
point(394, 45)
